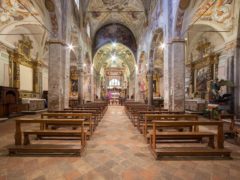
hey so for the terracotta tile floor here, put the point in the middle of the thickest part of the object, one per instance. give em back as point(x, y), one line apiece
point(116, 151)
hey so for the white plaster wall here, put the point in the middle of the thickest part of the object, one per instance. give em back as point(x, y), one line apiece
point(4, 69)
point(26, 78)
point(45, 79)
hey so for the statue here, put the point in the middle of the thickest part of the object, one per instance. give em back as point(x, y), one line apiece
point(215, 87)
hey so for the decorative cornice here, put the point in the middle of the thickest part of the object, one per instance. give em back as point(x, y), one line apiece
point(178, 40)
point(57, 41)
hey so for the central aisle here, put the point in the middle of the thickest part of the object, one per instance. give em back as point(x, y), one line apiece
point(118, 147)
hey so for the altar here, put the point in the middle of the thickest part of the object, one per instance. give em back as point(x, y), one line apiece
point(34, 104)
point(195, 105)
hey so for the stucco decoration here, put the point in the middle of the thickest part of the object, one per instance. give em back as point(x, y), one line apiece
point(115, 4)
point(12, 10)
point(219, 12)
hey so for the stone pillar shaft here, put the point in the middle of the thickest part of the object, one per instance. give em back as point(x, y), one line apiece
point(178, 75)
point(150, 88)
point(55, 81)
point(80, 86)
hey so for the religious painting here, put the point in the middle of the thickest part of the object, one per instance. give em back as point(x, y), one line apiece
point(142, 83)
point(115, 33)
point(154, 86)
point(201, 79)
point(220, 12)
point(11, 10)
point(74, 87)
point(74, 80)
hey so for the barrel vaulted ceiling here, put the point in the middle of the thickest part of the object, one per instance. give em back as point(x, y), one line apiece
point(130, 13)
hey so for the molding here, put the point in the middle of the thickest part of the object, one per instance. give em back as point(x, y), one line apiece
point(57, 41)
point(178, 40)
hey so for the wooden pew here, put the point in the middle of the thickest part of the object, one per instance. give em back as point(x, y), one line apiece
point(228, 125)
point(96, 116)
point(163, 117)
point(86, 116)
point(160, 150)
point(19, 147)
point(99, 107)
point(141, 117)
point(98, 110)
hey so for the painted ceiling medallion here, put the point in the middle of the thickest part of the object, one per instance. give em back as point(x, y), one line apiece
point(15, 10)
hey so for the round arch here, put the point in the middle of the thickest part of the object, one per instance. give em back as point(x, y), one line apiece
point(117, 33)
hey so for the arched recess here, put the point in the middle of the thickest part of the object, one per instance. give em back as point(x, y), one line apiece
point(115, 62)
point(117, 33)
point(205, 61)
point(20, 27)
point(156, 56)
point(208, 28)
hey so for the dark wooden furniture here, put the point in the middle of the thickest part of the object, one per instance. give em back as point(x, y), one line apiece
point(84, 116)
point(160, 151)
point(149, 118)
point(9, 102)
point(26, 148)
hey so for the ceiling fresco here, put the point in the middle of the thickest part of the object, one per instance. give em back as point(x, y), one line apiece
point(115, 33)
point(13, 10)
point(124, 58)
point(219, 12)
point(129, 13)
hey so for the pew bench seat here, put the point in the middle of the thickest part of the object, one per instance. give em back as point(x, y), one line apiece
point(54, 149)
point(174, 135)
point(159, 153)
point(53, 133)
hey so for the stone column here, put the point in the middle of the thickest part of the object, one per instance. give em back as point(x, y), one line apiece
point(150, 82)
point(80, 85)
point(136, 85)
point(80, 78)
point(178, 75)
point(236, 89)
point(167, 70)
point(150, 87)
point(92, 83)
point(55, 81)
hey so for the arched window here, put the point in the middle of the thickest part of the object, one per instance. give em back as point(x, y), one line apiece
point(114, 82)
